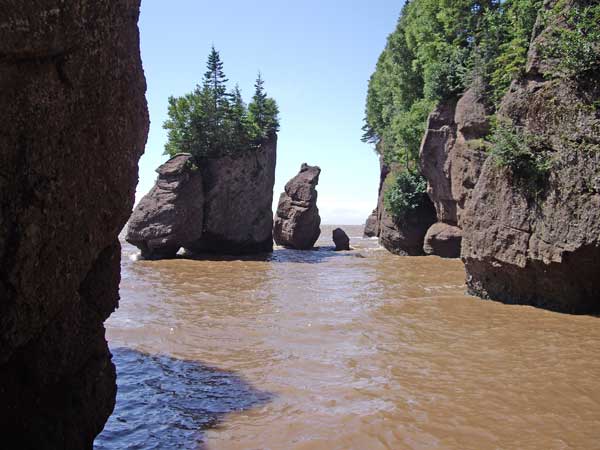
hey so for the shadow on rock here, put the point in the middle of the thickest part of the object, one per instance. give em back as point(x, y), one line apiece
point(163, 402)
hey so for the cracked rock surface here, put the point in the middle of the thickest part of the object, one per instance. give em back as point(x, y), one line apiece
point(73, 125)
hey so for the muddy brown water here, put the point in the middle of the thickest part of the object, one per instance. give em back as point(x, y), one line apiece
point(358, 350)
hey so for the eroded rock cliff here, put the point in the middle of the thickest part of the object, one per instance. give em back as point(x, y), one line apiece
point(540, 245)
point(73, 124)
point(451, 156)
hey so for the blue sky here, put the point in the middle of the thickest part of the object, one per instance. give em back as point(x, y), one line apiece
point(316, 58)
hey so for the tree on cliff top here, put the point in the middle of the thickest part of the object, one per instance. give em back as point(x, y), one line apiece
point(212, 122)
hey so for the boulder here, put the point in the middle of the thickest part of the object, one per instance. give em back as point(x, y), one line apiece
point(297, 223)
point(171, 215)
point(238, 202)
point(341, 240)
point(443, 240)
point(541, 245)
point(73, 125)
point(371, 225)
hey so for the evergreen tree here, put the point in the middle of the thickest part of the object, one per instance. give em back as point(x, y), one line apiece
point(263, 112)
point(239, 123)
point(211, 122)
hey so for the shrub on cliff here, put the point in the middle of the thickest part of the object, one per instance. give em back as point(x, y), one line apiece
point(576, 47)
point(212, 122)
point(405, 193)
point(523, 154)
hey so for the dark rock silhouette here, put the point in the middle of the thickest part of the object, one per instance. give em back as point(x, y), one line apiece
point(541, 245)
point(73, 124)
point(340, 239)
point(171, 214)
point(297, 223)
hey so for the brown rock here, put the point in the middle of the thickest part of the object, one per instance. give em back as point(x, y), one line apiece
point(443, 240)
point(171, 215)
point(73, 124)
point(341, 240)
point(371, 225)
point(541, 247)
point(406, 237)
point(238, 202)
point(297, 223)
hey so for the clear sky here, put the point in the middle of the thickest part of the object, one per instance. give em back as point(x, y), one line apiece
point(316, 57)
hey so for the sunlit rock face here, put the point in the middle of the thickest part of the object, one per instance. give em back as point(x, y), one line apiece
point(238, 202)
point(541, 246)
point(73, 124)
point(297, 222)
point(171, 215)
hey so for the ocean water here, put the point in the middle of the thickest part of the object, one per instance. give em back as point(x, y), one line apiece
point(354, 350)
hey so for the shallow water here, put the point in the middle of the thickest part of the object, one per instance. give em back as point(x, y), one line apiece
point(355, 350)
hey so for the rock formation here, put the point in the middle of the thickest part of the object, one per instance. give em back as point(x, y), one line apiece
point(406, 236)
point(451, 156)
point(238, 202)
point(216, 205)
point(171, 215)
point(541, 247)
point(443, 240)
point(341, 240)
point(73, 124)
point(371, 225)
point(297, 223)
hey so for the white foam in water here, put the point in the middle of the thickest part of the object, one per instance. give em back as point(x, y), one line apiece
point(134, 256)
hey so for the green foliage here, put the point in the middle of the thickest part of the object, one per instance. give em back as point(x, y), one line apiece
point(523, 154)
point(405, 193)
point(211, 122)
point(439, 48)
point(576, 47)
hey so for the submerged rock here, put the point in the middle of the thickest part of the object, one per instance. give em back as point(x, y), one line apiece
point(238, 202)
point(297, 223)
point(540, 244)
point(371, 225)
point(171, 215)
point(73, 124)
point(443, 240)
point(341, 240)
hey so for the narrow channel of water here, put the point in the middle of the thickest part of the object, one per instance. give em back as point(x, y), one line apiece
point(357, 350)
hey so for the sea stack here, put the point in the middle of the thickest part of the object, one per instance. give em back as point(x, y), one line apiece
point(341, 240)
point(171, 215)
point(213, 205)
point(297, 223)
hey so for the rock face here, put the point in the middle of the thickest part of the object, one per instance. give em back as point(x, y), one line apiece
point(541, 248)
point(406, 237)
point(443, 240)
point(297, 223)
point(451, 156)
point(73, 124)
point(238, 202)
point(341, 240)
point(171, 215)
point(371, 225)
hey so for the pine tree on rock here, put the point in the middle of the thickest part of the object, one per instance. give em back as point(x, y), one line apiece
point(212, 122)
